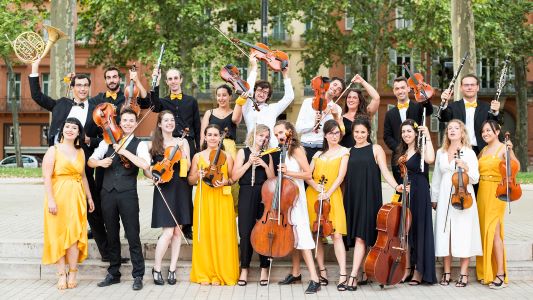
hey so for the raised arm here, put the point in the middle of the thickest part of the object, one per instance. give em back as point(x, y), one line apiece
point(288, 95)
point(373, 106)
point(37, 95)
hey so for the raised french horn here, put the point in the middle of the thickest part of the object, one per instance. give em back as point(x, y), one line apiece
point(29, 46)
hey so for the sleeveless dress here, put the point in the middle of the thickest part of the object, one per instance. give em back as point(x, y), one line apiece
point(215, 256)
point(329, 167)
point(421, 241)
point(229, 141)
point(491, 211)
point(362, 196)
point(69, 226)
point(303, 239)
point(347, 140)
point(178, 194)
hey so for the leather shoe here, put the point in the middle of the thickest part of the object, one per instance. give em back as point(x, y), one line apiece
point(137, 284)
point(108, 280)
point(313, 287)
point(123, 260)
point(291, 279)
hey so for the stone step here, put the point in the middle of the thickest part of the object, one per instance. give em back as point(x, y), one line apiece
point(93, 269)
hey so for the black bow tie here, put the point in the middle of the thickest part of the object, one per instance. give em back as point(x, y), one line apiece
point(81, 104)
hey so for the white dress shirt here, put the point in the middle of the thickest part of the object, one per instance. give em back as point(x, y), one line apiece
point(306, 122)
point(142, 150)
point(403, 113)
point(268, 113)
point(469, 124)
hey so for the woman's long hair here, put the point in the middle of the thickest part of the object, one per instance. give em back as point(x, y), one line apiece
point(158, 144)
point(362, 107)
point(465, 140)
point(81, 133)
point(259, 129)
point(295, 143)
point(329, 126)
point(402, 146)
point(365, 121)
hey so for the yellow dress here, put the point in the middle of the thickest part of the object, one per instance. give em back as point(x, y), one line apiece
point(329, 167)
point(491, 211)
point(215, 256)
point(69, 225)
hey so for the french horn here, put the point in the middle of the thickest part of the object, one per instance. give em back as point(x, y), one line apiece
point(29, 46)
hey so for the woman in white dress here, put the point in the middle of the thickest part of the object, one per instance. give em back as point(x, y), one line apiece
point(297, 168)
point(457, 231)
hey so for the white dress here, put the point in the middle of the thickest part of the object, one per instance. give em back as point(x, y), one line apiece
point(303, 239)
point(462, 228)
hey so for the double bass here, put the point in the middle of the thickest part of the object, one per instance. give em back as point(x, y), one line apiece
point(508, 190)
point(386, 261)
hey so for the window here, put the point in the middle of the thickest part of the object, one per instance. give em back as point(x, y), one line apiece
point(46, 84)
point(348, 22)
point(241, 26)
point(9, 139)
point(365, 71)
point(400, 60)
point(488, 73)
point(16, 88)
point(122, 81)
point(278, 30)
point(204, 78)
point(434, 123)
point(44, 135)
point(402, 23)
point(277, 81)
point(390, 106)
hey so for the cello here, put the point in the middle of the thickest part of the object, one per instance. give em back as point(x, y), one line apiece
point(386, 261)
point(508, 190)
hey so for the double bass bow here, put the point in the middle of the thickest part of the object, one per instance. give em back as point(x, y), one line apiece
point(386, 261)
point(322, 225)
point(508, 189)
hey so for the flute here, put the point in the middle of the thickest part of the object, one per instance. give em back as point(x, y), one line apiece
point(258, 155)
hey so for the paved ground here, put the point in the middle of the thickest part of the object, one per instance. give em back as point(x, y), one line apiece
point(21, 210)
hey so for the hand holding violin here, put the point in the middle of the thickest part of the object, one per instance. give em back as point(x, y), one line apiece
point(133, 75)
point(461, 164)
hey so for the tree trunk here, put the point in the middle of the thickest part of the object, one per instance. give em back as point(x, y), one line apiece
point(14, 111)
point(521, 138)
point(463, 38)
point(62, 54)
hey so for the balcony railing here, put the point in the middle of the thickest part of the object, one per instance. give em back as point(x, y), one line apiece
point(25, 105)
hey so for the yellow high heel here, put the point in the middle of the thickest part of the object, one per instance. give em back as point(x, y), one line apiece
point(74, 283)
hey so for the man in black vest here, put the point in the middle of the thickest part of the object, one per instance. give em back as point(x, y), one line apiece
point(81, 109)
point(405, 109)
point(119, 197)
point(472, 112)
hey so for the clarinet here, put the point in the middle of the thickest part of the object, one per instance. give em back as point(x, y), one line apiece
point(501, 83)
point(158, 66)
point(422, 142)
point(452, 84)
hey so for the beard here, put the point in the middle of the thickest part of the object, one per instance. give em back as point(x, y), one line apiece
point(112, 86)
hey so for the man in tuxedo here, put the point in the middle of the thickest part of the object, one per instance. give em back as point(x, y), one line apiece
point(472, 112)
point(186, 114)
point(405, 109)
point(79, 108)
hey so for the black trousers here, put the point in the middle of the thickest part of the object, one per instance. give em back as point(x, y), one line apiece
point(96, 220)
point(250, 209)
point(123, 206)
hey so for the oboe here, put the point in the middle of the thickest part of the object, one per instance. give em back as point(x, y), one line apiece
point(501, 83)
point(422, 142)
point(253, 166)
point(452, 84)
point(158, 65)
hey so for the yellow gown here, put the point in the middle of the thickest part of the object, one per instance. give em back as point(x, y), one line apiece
point(215, 255)
point(329, 167)
point(69, 225)
point(491, 211)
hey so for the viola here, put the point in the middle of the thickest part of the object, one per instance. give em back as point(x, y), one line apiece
point(217, 159)
point(508, 189)
point(131, 94)
point(320, 85)
point(461, 198)
point(322, 225)
point(272, 234)
point(275, 59)
point(164, 170)
point(104, 117)
point(386, 261)
point(231, 75)
point(421, 89)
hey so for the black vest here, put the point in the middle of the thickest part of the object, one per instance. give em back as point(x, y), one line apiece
point(116, 176)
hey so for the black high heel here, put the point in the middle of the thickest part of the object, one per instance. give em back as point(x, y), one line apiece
point(323, 280)
point(171, 279)
point(352, 287)
point(408, 277)
point(460, 282)
point(498, 285)
point(158, 278)
point(341, 287)
point(443, 280)
point(363, 282)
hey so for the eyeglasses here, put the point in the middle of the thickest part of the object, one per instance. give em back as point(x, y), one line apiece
point(79, 85)
point(333, 133)
point(261, 91)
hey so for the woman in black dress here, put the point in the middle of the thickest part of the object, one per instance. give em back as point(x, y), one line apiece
point(177, 192)
point(355, 105)
point(249, 165)
point(421, 261)
point(362, 193)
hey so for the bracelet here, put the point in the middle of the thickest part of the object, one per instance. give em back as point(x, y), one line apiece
point(240, 101)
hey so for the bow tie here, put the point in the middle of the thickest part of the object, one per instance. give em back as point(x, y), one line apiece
point(81, 104)
point(404, 105)
point(176, 96)
point(109, 94)
point(470, 104)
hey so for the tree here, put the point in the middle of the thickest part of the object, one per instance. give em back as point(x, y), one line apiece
point(15, 18)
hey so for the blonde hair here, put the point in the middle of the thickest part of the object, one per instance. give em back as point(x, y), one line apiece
point(260, 128)
point(465, 140)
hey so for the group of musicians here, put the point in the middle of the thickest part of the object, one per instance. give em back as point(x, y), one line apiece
point(327, 154)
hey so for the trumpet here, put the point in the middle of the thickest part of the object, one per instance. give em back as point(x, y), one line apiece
point(30, 47)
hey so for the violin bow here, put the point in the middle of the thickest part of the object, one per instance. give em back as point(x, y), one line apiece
point(233, 43)
point(171, 213)
point(335, 102)
point(134, 128)
point(319, 214)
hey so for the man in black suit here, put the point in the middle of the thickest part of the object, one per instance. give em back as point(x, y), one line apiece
point(472, 112)
point(405, 109)
point(81, 109)
point(186, 114)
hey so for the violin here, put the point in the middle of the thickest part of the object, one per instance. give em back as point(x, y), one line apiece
point(231, 75)
point(164, 170)
point(275, 59)
point(461, 198)
point(422, 90)
point(508, 189)
point(322, 225)
point(104, 117)
point(131, 94)
point(217, 159)
point(272, 234)
point(386, 261)
point(320, 85)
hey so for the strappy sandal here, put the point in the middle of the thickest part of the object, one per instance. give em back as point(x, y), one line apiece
point(61, 285)
point(341, 287)
point(353, 286)
point(241, 282)
point(363, 282)
point(460, 282)
point(443, 280)
point(74, 283)
point(323, 280)
point(408, 277)
point(498, 285)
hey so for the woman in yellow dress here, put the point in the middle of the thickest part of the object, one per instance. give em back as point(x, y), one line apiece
point(65, 205)
point(491, 268)
point(215, 257)
point(331, 163)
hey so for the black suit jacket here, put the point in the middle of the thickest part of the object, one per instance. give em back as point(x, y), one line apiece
point(119, 102)
point(457, 110)
point(185, 112)
point(393, 121)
